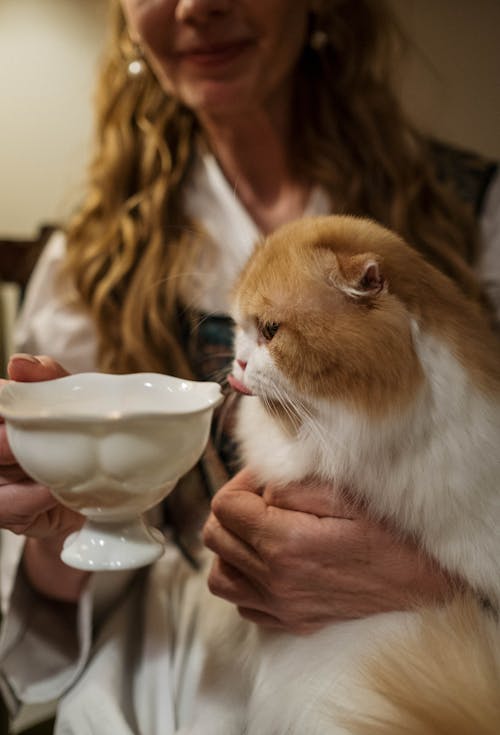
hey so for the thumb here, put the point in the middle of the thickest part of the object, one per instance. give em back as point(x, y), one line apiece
point(28, 368)
point(312, 496)
point(244, 480)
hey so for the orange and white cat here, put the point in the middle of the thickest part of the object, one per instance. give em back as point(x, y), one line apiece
point(367, 366)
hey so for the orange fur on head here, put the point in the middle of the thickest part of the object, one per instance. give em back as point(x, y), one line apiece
point(345, 291)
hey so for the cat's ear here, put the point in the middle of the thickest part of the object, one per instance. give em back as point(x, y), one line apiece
point(358, 275)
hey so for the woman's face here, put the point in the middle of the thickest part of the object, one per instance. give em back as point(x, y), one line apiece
point(220, 56)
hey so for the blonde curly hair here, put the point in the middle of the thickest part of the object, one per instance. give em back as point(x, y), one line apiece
point(130, 243)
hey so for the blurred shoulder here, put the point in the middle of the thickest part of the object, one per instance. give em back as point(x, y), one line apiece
point(468, 173)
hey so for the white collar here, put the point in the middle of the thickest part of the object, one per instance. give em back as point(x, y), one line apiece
point(232, 234)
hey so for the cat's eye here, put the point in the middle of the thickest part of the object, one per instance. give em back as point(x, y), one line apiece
point(268, 330)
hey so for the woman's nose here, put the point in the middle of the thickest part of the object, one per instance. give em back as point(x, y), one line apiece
point(200, 11)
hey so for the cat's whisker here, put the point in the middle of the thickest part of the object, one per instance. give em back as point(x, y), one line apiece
point(297, 410)
point(220, 376)
point(311, 425)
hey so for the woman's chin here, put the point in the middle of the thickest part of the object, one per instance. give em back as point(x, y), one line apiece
point(216, 98)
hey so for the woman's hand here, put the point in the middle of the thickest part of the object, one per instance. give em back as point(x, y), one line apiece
point(299, 557)
point(29, 508)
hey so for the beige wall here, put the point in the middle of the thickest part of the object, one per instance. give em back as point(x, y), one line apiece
point(451, 81)
point(48, 53)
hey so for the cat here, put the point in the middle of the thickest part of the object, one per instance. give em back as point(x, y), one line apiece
point(363, 364)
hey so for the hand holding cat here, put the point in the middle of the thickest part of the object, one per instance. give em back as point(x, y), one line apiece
point(26, 507)
point(300, 557)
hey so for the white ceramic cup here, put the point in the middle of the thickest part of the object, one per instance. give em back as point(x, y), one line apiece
point(109, 447)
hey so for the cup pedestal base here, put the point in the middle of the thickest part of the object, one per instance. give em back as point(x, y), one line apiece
point(101, 546)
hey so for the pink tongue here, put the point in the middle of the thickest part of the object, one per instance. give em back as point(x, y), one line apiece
point(238, 385)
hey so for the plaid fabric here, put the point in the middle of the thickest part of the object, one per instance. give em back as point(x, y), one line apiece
point(467, 173)
point(208, 341)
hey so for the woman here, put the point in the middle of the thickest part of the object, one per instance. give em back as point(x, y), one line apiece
point(243, 115)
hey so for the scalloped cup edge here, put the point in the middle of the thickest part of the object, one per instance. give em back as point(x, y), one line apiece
point(209, 392)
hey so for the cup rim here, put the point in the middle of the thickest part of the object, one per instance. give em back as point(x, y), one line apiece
point(13, 411)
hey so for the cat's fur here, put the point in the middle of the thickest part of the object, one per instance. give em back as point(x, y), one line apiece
point(368, 367)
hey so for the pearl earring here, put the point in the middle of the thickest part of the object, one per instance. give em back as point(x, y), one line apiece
point(136, 65)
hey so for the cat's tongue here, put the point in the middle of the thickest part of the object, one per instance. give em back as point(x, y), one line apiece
point(238, 385)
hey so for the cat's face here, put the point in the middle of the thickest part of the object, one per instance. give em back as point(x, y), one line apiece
point(316, 320)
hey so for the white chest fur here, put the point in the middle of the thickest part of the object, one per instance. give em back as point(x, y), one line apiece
point(433, 470)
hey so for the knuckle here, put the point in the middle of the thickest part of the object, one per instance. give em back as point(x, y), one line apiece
point(247, 614)
point(17, 523)
point(218, 502)
point(213, 584)
point(209, 533)
point(280, 554)
point(206, 533)
point(302, 628)
point(279, 593)
point(5, 452)
point(216, 584)
point(280, 589)
point(18, 529)
point(24, 505)
point(271, 553)
point(214, 575)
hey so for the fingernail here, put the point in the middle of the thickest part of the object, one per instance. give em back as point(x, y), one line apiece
point(25, 357)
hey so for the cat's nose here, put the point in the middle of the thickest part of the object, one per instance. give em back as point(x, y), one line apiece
point(242, 364)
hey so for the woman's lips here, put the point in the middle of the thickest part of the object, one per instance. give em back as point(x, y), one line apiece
point(238, 385)
point(214, 55)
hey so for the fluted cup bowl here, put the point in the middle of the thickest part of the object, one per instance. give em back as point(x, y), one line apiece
point(109, 447)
